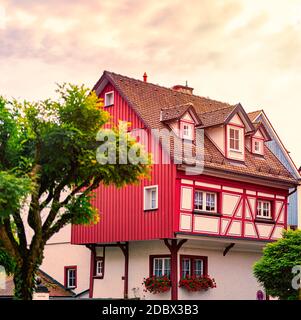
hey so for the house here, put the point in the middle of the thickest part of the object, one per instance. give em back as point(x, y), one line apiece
point(279, 150)
point(69, 264)
point(53, 288)
point(207, 215)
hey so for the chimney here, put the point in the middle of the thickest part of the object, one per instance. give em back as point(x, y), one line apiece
point(184, 89)
point(145, 77)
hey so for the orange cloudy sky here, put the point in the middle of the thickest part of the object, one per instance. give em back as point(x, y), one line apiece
point(246, 51)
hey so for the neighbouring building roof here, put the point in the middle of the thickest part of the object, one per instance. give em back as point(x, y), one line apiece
point(154, 103)
point(55, 288)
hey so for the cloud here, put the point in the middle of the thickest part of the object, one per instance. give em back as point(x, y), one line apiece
point(233, 50)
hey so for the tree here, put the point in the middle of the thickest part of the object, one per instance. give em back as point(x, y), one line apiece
point(274, 269)
point(48, 164)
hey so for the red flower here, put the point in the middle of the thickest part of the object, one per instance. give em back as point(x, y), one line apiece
point(156, 284)
point(195, 283)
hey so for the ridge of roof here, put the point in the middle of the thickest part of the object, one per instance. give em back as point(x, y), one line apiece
point(166, 88)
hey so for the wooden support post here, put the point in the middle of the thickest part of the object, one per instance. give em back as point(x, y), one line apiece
point(174, 248)
point(92, 269)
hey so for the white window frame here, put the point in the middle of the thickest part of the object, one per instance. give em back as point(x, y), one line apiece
point(260, 144)
point(99, 269)
point(261, 208)
point(163, 259)
point(204, 203)
point(70, 286)
point(235, 139)
point(190, 132)
point(106, 98)
point(147, 199)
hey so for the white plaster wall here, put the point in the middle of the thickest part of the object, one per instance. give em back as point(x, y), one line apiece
point(111, 286)
point(217, 135)
point(59, 255)
point(233, 273)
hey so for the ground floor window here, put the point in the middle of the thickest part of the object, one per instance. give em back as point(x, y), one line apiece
point(99, 267)
point(160, 265)
point(71, 277)
point(193, 266)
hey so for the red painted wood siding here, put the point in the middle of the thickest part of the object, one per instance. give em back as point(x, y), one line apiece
point(122, 217)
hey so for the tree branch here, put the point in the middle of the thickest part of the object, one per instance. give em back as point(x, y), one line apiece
point(20, 230)
point(7, 240)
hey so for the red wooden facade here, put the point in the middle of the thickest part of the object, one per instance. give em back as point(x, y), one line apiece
point(122, 217)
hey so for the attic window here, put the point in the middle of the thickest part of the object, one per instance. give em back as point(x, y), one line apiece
point(257, 146)
point(234, 139)
point(109, 98)
point(187, 130)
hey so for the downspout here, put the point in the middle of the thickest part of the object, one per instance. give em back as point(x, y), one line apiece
point(292, 192)
point(125, 250)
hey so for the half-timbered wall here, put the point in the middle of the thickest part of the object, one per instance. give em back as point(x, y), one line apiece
point(236, 209)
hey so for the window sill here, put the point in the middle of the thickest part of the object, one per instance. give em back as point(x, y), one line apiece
point(97, 277)
point(148, 210)
point(267, 220)
point(236, 151)
point(109, 105)
point(206, 213)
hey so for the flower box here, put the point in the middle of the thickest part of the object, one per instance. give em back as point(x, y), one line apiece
point(194, 283)
point(156, 284)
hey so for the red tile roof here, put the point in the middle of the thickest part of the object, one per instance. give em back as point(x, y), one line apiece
point(148, 100)
point(54, 287)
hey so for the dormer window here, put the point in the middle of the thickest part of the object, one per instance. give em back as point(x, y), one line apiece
point(257, 146)
point(235, 142)
point(109, 98)
point(187, 130)
point(234, 139)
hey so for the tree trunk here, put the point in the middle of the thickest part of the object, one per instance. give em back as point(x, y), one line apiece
point(24, 280)
point(25, 274)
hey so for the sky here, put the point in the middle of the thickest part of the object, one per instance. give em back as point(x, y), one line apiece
point(246, 51)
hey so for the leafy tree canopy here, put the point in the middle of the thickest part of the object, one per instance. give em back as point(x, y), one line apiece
point(274, 269)
point(48, 162)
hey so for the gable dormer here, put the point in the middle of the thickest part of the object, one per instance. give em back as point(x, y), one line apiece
point(235, 138)
point(227, 129)
point(187, 126)
point(258, 138)
point(182, 120)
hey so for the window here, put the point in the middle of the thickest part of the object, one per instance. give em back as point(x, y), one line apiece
point(151, 198)
point(234, 139)
point(205, 201)
point(109, 99)
point(193, 266)
point(71, 277)
point(258, 146)
point(160, 266)
point(99, 267)
point(187, 130)
point(264, 209)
